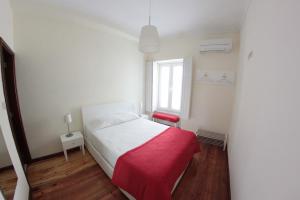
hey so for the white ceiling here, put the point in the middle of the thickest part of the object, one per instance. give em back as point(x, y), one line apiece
point(171, 17)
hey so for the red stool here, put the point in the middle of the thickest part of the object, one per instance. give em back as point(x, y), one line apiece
point(167, 117)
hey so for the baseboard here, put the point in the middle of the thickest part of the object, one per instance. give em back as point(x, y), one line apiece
point(52, 155)
point(6, 168)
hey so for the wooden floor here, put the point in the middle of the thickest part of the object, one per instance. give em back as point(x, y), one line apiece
point(207, 177)
point(8, 182)
point(81, 178)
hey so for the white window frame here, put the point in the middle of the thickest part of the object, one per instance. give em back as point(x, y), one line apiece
point(151, 87)
point(172, 63)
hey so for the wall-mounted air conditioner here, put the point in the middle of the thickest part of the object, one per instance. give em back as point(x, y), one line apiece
point(216, 45)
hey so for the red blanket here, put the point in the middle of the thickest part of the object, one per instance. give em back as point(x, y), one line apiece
point(150, 171)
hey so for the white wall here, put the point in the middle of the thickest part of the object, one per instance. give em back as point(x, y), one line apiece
point(6, 21)
point(264, 144)
point(65, 62)
point(6, 30)
point(211, 105)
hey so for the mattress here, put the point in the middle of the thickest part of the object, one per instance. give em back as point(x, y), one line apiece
point(114, 141)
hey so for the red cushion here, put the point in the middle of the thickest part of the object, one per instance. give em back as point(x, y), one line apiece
point(166, 116)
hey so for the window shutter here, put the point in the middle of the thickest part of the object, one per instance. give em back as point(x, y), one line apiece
point(186, 88)
point(154, 86)
point(149, 83)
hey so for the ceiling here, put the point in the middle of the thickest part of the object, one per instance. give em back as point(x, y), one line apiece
point(172, 17)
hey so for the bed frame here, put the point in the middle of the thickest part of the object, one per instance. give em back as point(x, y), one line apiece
point(88, 113)
point(107, 168)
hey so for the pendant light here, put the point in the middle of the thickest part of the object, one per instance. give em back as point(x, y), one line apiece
point(149, 38)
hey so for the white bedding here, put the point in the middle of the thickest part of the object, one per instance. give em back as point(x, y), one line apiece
point(114, 141)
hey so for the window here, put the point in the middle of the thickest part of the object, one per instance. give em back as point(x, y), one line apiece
point(169, 85)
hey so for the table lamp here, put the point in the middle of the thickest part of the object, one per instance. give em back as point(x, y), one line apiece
point(68, 120)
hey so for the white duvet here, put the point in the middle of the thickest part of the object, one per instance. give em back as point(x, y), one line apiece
point(114, 141)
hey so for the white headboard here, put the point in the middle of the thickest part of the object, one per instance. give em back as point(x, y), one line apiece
point(90, 112)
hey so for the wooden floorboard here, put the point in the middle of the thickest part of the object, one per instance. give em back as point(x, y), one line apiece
point(8, 182)
point(54, 169)
point(207, 177)
point(81, 178)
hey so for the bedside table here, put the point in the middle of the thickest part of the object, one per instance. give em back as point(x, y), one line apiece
point(76, 140)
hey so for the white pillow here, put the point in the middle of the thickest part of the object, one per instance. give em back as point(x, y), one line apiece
point(125, 116)
point(111, 120)
point(100, 123)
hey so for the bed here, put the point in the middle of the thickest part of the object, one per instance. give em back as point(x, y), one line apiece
point(109, 142)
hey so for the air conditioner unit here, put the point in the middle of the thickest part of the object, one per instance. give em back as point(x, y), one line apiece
point(216, 45)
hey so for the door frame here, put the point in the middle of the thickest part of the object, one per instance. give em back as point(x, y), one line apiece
point(20, 137)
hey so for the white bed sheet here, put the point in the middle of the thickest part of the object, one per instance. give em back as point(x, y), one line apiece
point(114, 141)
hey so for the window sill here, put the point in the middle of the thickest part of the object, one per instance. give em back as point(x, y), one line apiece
point(168, 111)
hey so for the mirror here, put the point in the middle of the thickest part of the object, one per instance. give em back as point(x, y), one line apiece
point(8, 177)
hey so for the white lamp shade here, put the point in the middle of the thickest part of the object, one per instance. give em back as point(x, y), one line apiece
point(68, 118)
point(149, 39)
